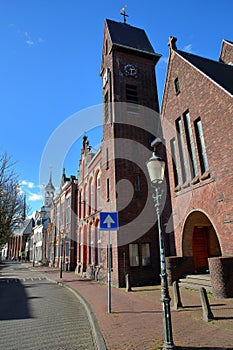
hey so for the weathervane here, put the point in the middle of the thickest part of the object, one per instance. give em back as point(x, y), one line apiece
point(123, 13)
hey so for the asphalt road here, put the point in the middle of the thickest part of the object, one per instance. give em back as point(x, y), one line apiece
point(36, 314)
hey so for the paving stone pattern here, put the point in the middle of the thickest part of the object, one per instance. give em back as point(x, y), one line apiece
point(38, 314)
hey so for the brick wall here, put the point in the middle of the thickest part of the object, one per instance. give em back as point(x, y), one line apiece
point(211, 195)
point(221, 273)
point(226, 55)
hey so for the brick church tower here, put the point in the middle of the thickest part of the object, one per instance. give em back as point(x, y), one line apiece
point(131, 122)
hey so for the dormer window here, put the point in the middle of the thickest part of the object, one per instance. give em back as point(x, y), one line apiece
point(177, 85)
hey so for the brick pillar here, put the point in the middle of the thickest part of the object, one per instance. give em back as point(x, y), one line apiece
point(221, 273)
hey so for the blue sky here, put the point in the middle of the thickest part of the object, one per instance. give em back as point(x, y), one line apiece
point(50, 63)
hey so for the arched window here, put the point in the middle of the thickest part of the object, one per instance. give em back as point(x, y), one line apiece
point(83, 169)
point(85, 202)
point(98, 191)
point(91, 196)
point(80, 204)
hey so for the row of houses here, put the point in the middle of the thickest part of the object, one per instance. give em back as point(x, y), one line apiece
point(195, 126)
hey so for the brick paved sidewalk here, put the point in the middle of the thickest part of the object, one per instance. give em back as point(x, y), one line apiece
point(136, 319)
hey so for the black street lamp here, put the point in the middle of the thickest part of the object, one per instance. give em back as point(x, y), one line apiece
point(62, 243)
point(156, 167)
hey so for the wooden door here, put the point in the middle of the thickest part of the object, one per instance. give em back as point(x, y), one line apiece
point(84, 257)
point(200, 249)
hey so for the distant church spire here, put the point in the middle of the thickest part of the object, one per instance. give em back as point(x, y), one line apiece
point(49, 191)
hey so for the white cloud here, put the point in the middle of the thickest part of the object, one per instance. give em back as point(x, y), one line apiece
point(34, 197)
point(28, 184)
point(25, 35)
point(188, 48)
point(29, 41)
point(40, 40)
point(27, 187)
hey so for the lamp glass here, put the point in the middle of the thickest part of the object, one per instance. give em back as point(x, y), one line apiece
point(63, 235)
point(156, 167)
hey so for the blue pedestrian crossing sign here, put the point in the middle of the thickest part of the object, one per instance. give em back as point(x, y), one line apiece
point(108, 221)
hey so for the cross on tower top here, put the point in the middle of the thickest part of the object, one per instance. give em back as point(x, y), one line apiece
point(123, 13)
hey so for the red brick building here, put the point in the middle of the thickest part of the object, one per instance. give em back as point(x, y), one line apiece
point(18, 244)
point(61, 240)
point(88, 209)
point(197, 121)
point(115, 179)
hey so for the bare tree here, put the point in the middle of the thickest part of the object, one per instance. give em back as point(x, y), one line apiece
point(12, 206)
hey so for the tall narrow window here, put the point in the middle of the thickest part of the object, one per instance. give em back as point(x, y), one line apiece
point(190, 145)
point(132, 98)
point(175, 162)
point(62, 214)
point(80, 205)
point(91, 195)
point(201, 145)
point(106, 47)
point(133, 255)
point(177, 86)
point(145, 251)
point(85, 206)
point(107, 158)
point(67, 247)
point(58, 217)
point(106, 109)
point(68, 212)
point(108, 190)
point(180, 138)
point(92, 245)
point(98, 191)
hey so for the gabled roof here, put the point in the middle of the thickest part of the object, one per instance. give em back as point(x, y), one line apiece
point(221, 73)
point(25, 227)
point(127, 36)
point(228, 41)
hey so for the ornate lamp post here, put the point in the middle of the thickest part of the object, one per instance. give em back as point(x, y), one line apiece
point(156, 167)
point(62, 243)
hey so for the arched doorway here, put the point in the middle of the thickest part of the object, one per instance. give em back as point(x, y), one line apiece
point(200, 240)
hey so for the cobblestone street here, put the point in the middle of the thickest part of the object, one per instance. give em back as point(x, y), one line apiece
point(38, 314)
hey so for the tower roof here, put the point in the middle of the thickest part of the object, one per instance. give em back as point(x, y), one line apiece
point(49, 185)
point(127, 36)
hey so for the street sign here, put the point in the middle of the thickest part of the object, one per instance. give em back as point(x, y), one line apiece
point(108, 221)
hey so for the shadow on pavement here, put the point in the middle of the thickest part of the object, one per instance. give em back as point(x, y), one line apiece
point(202, 348)
point(137, 312)
point(199, 306)
point(14, 300)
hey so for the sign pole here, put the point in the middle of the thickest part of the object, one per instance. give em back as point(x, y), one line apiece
point(108, 222)
point(109, 273)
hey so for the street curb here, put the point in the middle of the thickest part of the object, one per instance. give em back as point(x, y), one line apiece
point(96, 332)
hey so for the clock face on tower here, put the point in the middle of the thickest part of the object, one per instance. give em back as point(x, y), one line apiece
point(130, 70)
